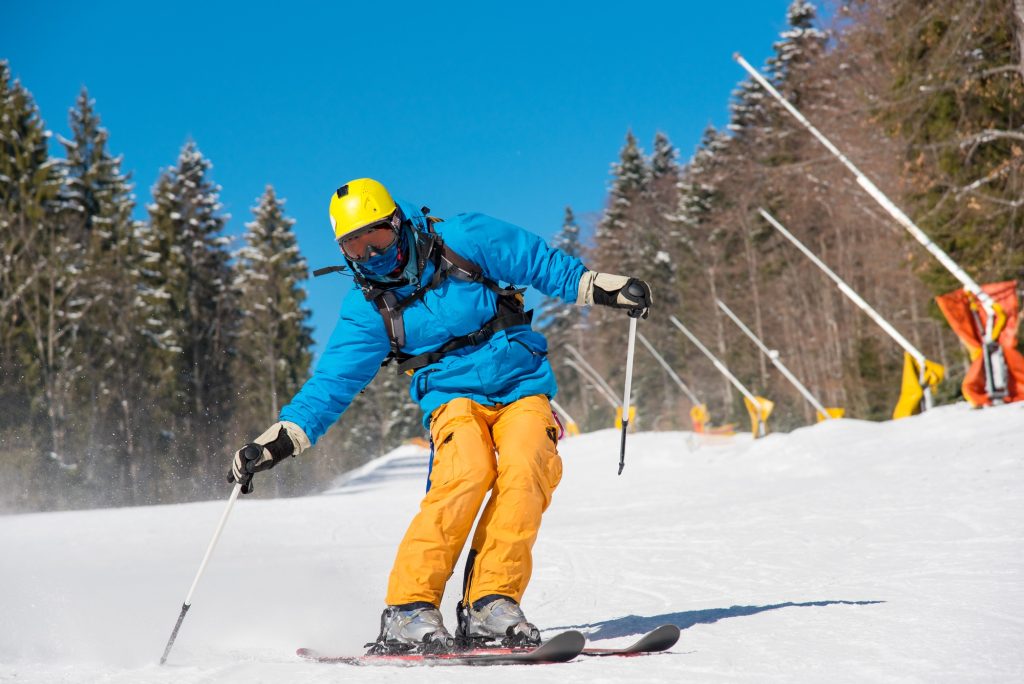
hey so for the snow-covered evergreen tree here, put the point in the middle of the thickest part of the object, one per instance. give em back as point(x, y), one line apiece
point(37, 278)
point(664, 160)
point(98, 202)
point(29, 184)
point(799, 46)
point(190, 314)
point(660, 224)
point(699, 186)
point(275, 337)
point(616, 234)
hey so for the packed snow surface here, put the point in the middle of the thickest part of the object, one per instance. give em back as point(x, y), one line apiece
point(843, 552)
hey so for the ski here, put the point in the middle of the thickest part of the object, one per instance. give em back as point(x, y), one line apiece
point(560, 648)
point(657, 640)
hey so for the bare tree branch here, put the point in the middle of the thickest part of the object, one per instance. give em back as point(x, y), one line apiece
point(989, 135)
point(999, 171)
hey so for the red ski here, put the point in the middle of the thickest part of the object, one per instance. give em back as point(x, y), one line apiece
point(560, 648)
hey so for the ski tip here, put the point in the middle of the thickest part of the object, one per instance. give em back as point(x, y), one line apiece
point(571, 639)
point(560, 648)
point(663, 638)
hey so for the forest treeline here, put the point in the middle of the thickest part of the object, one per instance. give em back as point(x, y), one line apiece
point(132, 352)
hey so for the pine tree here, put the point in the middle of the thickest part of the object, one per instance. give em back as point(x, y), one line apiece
point(29, 184)
point(664, 161)
point(659, 229)
point(190, 312)
point(700, 188)
point(38, 284)
point(616, 232)
point(98, 202)
point(748, 118)
point(275, 338)
point(32, 285)
point(800, 46)
point(638, 236)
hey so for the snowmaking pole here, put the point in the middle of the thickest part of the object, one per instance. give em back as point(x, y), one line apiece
point(773, 356)
point(202, 566)
point(593, 373)
point(630, 348)
point(668, 369)
point(859, 301)
point(610, 398)
point(995, 364)
point(723, 370)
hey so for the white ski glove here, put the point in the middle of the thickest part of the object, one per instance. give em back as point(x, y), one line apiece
point(621, 292)
point(281, 440)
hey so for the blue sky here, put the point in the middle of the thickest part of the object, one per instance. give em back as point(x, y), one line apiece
point(512, 109)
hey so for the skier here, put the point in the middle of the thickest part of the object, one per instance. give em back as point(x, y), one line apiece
point(430, 301)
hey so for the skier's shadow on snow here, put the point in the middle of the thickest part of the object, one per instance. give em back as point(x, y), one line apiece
point(636, 624)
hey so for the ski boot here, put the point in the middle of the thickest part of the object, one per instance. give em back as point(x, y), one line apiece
point(495, 617)
point(412, 628)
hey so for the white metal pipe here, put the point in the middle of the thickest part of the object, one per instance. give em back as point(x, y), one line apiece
point(863, 305)
point(610, 398)
point(583, 362)
point(847, 290)
point(565, 414)
point(668, 369)
point(774, 358)
point(721, 368)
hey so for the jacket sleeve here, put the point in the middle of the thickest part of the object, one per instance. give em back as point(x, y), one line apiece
point(351, 360)
point(515, 255)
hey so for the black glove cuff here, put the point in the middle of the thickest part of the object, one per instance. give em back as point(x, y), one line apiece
point(282, 447)
point(604, 297)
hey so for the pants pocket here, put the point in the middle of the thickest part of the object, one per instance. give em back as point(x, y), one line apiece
point(553, 468)
point(446, 422)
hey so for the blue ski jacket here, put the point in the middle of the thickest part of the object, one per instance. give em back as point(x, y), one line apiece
point(509, 366)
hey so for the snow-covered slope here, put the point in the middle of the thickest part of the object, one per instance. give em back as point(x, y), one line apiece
point(844, 552)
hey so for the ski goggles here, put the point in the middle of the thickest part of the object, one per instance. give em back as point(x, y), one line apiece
point(375, 238)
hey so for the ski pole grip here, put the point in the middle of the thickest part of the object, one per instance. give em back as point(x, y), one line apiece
point(251, 452)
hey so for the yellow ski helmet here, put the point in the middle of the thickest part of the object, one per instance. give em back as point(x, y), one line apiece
point(359, 203)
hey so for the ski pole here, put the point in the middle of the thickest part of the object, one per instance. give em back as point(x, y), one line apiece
point(202, 566)
point(630, 347)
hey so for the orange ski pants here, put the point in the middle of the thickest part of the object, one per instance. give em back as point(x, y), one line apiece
point(508, 450)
